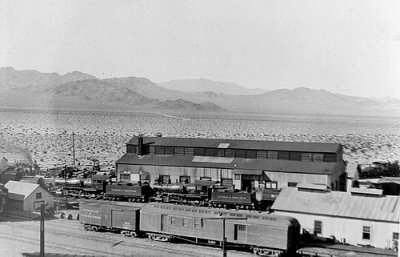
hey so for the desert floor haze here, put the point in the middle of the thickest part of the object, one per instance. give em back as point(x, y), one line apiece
point(46, 136)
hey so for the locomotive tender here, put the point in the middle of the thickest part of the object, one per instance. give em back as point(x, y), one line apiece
point(266, 234)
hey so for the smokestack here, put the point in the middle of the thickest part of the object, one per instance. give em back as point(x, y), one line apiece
point(140, 145)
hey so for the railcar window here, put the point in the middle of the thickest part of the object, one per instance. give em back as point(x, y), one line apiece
point(283, 155)
point(159, 150)
point(198, 223)
point(317, 157)
point(240, 153)
point(185, 222)
point(366, 232)
point(296, 156)
point(199, 151)
point(229, 152)
point(209, 152)
point(241, 227)
point(174, 221)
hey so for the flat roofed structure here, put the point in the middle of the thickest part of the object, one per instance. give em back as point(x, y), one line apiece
point(354, 218)
point(242, 163)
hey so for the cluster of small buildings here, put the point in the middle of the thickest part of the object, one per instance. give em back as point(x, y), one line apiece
point(312, 177)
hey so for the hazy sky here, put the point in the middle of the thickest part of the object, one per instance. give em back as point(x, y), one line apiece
point(349, 47)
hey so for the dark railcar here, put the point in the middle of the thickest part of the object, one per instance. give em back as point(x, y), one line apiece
point(128, 192)
point(114, 217)
point(239, 200)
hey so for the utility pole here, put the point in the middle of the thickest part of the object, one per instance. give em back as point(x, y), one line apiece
point(42, 230)
point(73, 148)
point(224, 252)
point(41, 226)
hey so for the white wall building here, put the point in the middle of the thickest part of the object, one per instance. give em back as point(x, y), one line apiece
point(27, 196)
point(351, 217)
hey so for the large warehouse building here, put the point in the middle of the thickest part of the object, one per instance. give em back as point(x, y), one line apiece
point(245, 164)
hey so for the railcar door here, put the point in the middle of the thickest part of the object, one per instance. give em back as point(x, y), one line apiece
point(164, 222)
point(240, 232)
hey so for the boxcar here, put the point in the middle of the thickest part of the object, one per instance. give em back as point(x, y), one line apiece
point(115, 217)
point(265, 234)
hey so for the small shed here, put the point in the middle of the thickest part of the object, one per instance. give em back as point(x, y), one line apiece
point(27, 196)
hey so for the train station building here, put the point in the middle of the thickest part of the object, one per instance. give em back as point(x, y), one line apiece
point(363, 217)
point(244, 164)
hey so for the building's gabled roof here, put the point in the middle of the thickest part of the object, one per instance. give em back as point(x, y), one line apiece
point(20, 190)
point(229, 163)
point(240, 144)
point(339, 204)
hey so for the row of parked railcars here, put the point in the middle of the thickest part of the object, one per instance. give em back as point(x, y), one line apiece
point(266, 234)
point(199, 193)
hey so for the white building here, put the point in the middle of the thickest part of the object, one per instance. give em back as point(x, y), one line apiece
point(350, 217)
point(27, 196)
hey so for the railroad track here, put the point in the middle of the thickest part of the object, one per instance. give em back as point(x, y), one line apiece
point(107, 238)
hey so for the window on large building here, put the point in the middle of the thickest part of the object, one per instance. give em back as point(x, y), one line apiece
point(251, 154)
point(229, 153)
point(305, 157)
point(125, 177)
point(38, 195)
point(317, 157)
point(240, 153)
point(159, 150)
point(184, 179)
point(261, 154)
point(220, 152)
point(271, 184)
point(317, 227)
point(169, 150)
point(165, 179)
point(282, 155)
point(199, 151)
point(295, 156)
point(237, 176)
point(366, 232)
point(329, 157)
point(209, 152)
point(272, 155)
point(227, 182)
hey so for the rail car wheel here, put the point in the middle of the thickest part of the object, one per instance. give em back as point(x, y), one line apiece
point(133, 234)
point(255, 250)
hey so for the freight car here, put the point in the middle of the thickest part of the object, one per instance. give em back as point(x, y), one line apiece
point(117, 217)
point(265, 234)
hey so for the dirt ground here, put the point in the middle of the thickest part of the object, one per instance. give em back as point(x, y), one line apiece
point(68, 237)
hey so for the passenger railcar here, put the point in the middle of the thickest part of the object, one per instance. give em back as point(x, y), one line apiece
point(265, 234)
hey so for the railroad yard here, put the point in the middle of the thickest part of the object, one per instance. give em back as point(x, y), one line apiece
point(68, 237)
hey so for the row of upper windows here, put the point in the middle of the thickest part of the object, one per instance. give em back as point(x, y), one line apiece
point(238, 153)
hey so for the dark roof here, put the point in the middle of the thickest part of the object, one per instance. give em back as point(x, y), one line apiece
point(229, 163)
point(240, 144)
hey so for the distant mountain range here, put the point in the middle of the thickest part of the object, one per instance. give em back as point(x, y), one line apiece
point(80, 91)
point(204, 85)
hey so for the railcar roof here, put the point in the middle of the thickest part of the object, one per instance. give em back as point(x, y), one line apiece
point(239, 144)
point(205, 212)
point(232, 163)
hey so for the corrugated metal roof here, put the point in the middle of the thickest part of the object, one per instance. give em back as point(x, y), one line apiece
point(240, 144)
point(237, 163)
point(20, 188)
point(339, 204)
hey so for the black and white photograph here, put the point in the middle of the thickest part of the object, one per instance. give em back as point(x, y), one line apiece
point(199, 128)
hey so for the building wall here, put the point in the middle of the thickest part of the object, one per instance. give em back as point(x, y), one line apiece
point(195, 173)
point(349, 230)
point(283, 178)
point(29, 202)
